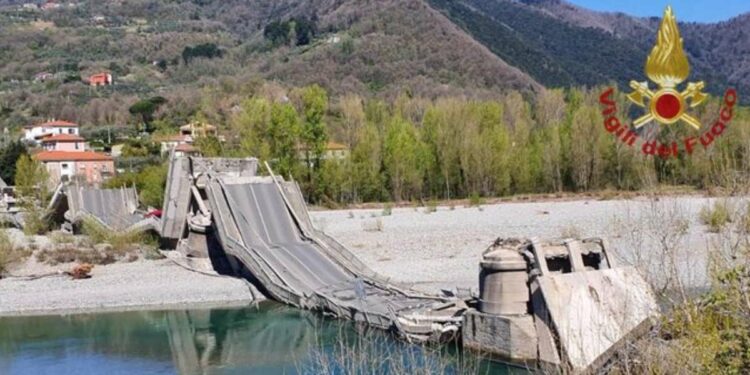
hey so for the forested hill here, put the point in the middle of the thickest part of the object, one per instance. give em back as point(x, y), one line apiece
point(182, 50)
point(559, 44)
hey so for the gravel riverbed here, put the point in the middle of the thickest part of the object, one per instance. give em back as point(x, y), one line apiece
point(430, 250)
point(442, 249)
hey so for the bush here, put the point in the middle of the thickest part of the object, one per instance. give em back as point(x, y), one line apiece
point(475, 200)
point(205, 50)
point(9, 254)
point(6, 249)
point(120, 242)
point(387, 209)
point(431, 206)
point(60, 238)
point(716, 216)
point(150, 183)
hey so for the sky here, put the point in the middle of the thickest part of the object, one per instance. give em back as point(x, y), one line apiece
point(686, 10)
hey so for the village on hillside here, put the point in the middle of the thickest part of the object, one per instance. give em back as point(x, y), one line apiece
point(68, 157)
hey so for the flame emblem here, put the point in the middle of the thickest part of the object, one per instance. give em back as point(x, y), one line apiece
point(668, 67)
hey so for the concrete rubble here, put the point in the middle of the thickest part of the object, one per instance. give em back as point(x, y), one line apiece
point(562, 305)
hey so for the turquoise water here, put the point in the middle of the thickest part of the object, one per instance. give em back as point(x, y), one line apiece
point(269, 339)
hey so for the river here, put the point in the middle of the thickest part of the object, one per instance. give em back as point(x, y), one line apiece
point(268, 339)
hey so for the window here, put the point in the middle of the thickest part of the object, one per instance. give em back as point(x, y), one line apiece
point(70, 131)
point(64, 166)
point(76, 145)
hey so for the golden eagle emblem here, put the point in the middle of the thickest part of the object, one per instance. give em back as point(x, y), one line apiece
point(668, 67)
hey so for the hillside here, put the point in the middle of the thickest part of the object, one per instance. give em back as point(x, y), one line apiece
point(184, 50)
point(380, 48)
point(560, 44)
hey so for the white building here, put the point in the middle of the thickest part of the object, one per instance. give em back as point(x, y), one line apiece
point(35, 133)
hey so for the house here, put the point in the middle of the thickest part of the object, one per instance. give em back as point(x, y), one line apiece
point(63, 142)
point(34, 133)
point(333, 151)
point(43, 76)
point(100, 79)
point(186, 149)
point(198, 129)
point(49, 5)
point(91, 167)
point(182, 143)
point(170, 142)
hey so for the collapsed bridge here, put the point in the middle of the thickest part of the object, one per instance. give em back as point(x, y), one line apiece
point(262, 225)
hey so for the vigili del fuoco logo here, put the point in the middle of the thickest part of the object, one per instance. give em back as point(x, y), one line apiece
point(666, 104)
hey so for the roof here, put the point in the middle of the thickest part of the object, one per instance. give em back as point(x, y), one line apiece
point(55, 124)
point(63, 138)
point(99, 77)
point(171, 138)
point(71, 156)
point(197, 125)
point(184, 147)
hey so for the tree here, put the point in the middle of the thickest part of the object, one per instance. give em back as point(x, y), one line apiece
point(314, 134)
point(252, 125)
point(150, 183)
point(209, 146)
point(283, 133)
point(31, 190)
point(403, 156)
point(367, 161)
point(144, 110)
point(9, 156)
point(205, 50)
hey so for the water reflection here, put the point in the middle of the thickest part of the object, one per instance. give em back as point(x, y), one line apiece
point(269, 339)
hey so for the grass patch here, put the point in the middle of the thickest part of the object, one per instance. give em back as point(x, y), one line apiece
point(475, 200)
point(716, 216)
point(119, 241)
point(431, 206)
point(62, 238)
point(709, 335)
point(9, 253)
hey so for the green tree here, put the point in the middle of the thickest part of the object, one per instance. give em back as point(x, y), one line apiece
point(403, 158)
point(209, 146)
point(144, 111)
point(32, 182)
point(283, 133)
point(150, 183)
point(314, 135)
point(367, 161)
point(252, 125)
point(9, 156)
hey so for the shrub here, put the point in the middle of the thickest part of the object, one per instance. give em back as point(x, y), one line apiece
point(9, 253)
point(475, 200)
point(716, 216)
point(431, 206)
point(119, 242)
point(387, 209)
point(6, 249)
point(60, 238)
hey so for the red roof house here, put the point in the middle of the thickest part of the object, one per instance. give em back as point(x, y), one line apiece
point(100, 79)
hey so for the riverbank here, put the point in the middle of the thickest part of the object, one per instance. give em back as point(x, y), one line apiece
point(140, 285)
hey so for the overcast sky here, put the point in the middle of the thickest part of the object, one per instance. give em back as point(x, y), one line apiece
point(686, 10)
